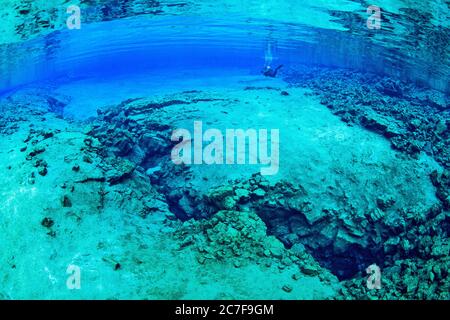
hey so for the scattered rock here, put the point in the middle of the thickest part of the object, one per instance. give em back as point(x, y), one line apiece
point(47, 222)
point(287, 288)
point(35, 152)
point(87, 159)
point(311, 270)
point(66, 202)
point(385, 202)
point(42, 171)
point(242, 195)
point(259, 193)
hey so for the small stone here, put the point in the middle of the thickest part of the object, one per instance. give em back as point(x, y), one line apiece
point(376, 214)
point(76, 168)
point(66, 202)
point(296, 276)
point(52, 233)
point(48, 135)
point(35, 152)
point(310, 270)
point(264, 185)
point(277, 252)
point(284, 93)
point(242, 194)
point(286, 261)
point(87, 159)
point(201, 259)
point(385, 202)
point(287, 288)
point(47, 222)
point(229, 203)
point(237, 264)
point(88, 142)
point(276, 247)
point(259, 193)
point(42, 171)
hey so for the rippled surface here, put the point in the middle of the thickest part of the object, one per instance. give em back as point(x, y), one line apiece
point(412, 44)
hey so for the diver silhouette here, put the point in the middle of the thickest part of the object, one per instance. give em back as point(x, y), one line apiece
point(269, 72)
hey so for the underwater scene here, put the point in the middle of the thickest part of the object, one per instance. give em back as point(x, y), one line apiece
point(224, 150)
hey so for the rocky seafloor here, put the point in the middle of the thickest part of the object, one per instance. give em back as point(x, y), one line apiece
point(415, 120)
point(103, 194)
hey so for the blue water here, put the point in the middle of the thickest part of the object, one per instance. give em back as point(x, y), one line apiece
point(170, 44)
point(137, 45)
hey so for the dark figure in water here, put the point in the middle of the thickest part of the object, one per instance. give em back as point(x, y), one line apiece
point(269, 72)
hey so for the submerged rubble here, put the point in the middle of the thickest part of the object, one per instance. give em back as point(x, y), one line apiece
point(414, 119)
point(344, 243)
point(413, 242)
point(116, 168)
point(341, 238)
point(241, 236)
point(85, 182)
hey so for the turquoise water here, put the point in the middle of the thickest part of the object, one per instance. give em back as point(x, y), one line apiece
point(413, 43)
point(357, 120)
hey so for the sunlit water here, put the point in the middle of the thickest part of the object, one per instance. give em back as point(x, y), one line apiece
point(410, 45)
